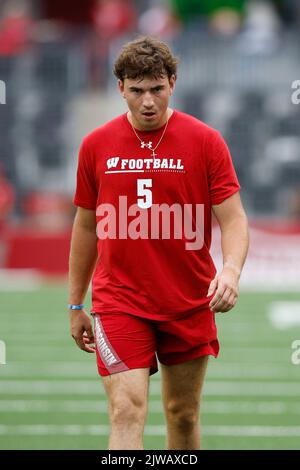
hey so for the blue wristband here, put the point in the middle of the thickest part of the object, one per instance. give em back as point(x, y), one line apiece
point(75, 307)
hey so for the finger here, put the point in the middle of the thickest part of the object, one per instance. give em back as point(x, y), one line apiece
point(217, 297)
point(88, 349)
point(212, 287)
point(222, 302)
point(90, 334)
point(80, 343)
point(87, 340)
point(231, 302)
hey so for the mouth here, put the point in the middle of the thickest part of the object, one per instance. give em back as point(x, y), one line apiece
point(148, 114)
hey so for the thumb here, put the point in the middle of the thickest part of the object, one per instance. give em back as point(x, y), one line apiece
point(212, 286)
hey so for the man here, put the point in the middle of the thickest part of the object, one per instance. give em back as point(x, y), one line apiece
point(147, 183)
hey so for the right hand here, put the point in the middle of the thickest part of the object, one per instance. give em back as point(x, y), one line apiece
point(82, 330)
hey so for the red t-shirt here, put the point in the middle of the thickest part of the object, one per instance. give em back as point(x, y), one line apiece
point(153, 214)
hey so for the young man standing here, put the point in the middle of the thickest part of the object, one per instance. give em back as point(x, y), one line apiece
point(147, 184)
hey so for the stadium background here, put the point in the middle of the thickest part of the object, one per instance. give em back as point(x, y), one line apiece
point(239, 61)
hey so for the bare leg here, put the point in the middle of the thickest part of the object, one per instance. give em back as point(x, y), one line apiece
point(181, 392)
point(127, 399)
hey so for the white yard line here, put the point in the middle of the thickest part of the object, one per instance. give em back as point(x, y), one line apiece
point(252, 431)
point(20, 280)
point(158, 430)
point(155, 406)
point(81, 370)
point(271, 354)
point(284, 314)
point(88, 387)
point(72, 406)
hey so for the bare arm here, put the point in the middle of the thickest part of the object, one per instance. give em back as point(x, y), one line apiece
point(235, 241)
point(82, 260)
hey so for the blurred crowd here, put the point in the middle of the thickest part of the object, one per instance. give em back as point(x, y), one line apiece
point(51, 34)
point(24, 21)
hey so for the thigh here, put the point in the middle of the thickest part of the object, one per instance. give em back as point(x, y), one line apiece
point(124, 343)
point(127, 388)
point(182, 383)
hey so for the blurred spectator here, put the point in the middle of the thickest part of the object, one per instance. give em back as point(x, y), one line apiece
point(289, 10)
point(159, 21)
point(225, 16)
point(110, 18)
point(15, 27)
point(262, 24)
point(48, 211)
point(294, 204)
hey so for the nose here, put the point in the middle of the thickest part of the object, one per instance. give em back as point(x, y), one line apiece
point(148, 100)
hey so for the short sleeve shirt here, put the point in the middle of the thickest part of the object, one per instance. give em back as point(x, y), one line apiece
point(153, 213)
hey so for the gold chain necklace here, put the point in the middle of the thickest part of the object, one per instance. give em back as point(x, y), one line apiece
point(149, 144)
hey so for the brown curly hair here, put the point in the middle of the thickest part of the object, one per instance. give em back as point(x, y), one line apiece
point(145, 57)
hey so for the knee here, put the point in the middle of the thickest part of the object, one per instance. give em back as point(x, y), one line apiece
point(127, 410)
point(184, 416)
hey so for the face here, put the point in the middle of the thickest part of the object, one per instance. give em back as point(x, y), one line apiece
point(147, 100)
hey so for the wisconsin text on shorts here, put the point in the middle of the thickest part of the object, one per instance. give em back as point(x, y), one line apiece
point(104, 350)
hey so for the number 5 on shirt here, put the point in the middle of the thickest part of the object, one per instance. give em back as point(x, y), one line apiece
point(145, 201)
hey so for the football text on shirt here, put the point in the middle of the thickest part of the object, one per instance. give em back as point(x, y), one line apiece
point(124, 165)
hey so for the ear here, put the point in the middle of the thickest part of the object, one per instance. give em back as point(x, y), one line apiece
point(121, 87)
point(172, 82)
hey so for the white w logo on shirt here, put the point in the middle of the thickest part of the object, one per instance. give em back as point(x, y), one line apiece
point(113, 162)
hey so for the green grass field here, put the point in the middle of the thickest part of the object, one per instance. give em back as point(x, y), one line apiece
point(52, 398)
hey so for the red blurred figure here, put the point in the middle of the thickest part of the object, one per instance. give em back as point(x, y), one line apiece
point(159, 21)
point(15, 28)
point(47, 211)
point(111, 18)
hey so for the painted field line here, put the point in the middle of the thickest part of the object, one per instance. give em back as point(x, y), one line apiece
point(155, 406)
point(75, 406)
point(158, 430)
point(284, 314)
point(19, 280)
point(213, 388)
point(256, 353)
point(215, 370)
point(257, 372)
point(252, 431)
point(85, 369)
point(257, 408)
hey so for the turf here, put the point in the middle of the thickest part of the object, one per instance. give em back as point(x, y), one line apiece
point(52, 398)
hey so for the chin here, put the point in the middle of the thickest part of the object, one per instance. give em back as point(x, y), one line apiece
point(154, 122)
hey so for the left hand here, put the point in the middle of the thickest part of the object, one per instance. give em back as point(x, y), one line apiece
point(225, 286)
